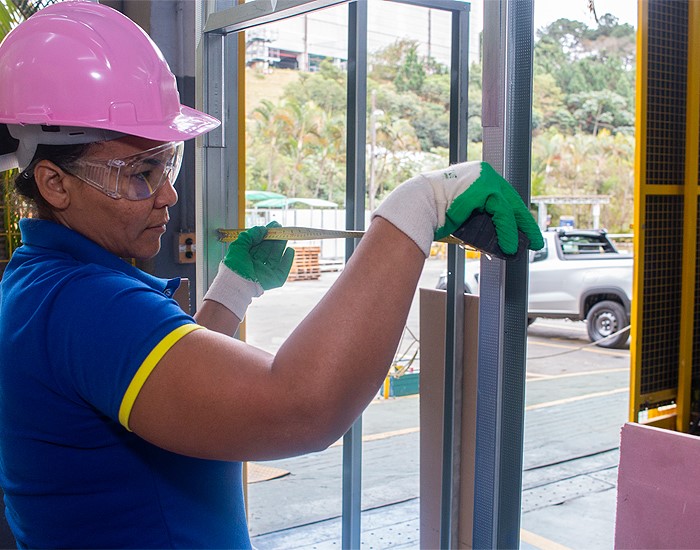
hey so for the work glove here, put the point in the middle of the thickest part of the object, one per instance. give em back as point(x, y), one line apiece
point(433, 205)
point(251, 266)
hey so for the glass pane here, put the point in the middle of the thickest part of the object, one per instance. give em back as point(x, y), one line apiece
point(576, 392)
point(295, 106)
point(296, 82)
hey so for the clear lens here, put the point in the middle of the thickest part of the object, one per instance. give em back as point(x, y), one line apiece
point(135, 177)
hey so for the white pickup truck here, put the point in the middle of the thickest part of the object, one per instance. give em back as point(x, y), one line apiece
point(579, 275)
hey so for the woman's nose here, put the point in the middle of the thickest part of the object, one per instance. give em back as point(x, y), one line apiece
point(166, 195)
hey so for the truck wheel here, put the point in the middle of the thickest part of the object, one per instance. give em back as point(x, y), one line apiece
point(604, 319)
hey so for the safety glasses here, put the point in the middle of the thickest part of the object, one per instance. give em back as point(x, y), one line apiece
point(135, 177)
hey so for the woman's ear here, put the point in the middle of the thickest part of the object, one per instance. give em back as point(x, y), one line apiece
point(51, 182)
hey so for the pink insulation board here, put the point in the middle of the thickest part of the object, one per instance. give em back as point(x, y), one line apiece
point(658, 489)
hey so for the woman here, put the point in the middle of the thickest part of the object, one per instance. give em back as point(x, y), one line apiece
point(123, 420)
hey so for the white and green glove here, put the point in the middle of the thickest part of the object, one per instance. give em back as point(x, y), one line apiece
point(251, 266)
point(433, 205)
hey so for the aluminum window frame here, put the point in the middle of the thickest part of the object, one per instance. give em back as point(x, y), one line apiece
point(218, 196)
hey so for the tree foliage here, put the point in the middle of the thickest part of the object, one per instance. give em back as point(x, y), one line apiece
point(297, 146)
point(584, 78)
point(582, 117)
point(586, 164)
point(411, 73)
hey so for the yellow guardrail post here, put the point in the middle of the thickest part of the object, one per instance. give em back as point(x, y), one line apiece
point(690, 219)
point(639, 206)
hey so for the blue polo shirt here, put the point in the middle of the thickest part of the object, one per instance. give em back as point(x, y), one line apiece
point(80, 331)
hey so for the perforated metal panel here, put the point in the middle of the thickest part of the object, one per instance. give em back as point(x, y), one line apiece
point(666, 91)
point(666, 303)
point(662, 293)
point(696, 319)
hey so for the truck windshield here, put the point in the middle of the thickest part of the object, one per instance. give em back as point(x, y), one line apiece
point(586, 244)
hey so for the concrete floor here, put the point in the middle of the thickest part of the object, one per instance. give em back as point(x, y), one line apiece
point(568, 501)
point(575, 407)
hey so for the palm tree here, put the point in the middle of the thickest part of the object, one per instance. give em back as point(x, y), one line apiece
point(395, 141)
point(329, 155)
point(13, 12)
point(266, 130)
point(301, 125)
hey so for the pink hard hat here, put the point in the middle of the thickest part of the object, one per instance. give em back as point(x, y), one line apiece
point(80, 64)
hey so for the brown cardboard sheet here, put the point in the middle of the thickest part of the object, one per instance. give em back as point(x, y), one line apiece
point(432, 367)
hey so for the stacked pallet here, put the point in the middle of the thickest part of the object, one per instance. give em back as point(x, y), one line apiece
point(306, 264)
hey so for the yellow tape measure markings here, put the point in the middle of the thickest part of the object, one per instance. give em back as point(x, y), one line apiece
point(307, 234)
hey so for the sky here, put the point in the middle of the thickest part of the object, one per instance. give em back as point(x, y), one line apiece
point(547, 11)
point(326, 29)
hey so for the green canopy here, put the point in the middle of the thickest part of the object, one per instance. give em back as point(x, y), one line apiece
point(286, 203)
point(254, 195)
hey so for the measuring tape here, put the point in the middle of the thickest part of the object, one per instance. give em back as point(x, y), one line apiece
point(307, 234)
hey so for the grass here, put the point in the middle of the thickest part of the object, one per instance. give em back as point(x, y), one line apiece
point(259, 86)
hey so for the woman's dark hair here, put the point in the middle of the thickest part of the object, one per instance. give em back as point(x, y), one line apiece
point(64, 156)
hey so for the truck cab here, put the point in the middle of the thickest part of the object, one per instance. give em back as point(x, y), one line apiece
point(578, 275)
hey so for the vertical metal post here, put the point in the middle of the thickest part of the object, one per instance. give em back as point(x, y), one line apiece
point(454, 322)
point(355, 219)
point(517, 170)
point(217, 170)
point(508, 37)
point(491, 282)
point(640, 177)
point(690, 226)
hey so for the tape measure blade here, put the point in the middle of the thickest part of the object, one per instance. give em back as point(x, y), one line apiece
point(293, 233)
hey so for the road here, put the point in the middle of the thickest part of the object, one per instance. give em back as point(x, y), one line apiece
point(576, 402)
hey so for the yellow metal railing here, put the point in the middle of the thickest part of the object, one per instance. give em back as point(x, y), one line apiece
point(665, 309)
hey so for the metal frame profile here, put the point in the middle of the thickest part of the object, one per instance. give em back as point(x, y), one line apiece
point(506, 121)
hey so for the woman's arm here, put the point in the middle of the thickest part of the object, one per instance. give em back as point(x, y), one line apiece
point(214, 397)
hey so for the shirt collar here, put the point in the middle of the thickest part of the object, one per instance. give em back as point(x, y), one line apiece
point(54, 236)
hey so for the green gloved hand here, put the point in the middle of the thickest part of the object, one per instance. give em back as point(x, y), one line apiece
point(433, 205)
point(494, 195)
point(251, 266)
point(260, 261)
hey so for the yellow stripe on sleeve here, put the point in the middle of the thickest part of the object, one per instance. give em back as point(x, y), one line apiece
point(147, 367)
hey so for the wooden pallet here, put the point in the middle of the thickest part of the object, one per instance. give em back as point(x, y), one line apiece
point(306, 264)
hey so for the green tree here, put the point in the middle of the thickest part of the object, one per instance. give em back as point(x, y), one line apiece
point(585, 164)
point(264, 157)
point(300, 127)
point(384, 64)
point(590, 70)
point(296, 148)
point(557, 45)
point(549, 107)
point(596, 110)
point(392, 142)
point(474, 131)
point(436, 89)
point(10, 17)
point(327, 166)
point(411, 74)
point(326, 88)
point(432, 126)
